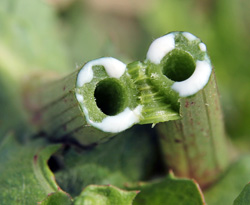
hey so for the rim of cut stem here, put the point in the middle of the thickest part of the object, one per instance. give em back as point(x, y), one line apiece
point(183, 60)
point(103, 95)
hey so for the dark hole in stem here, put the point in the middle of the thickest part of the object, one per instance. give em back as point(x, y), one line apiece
point(178, 65)
point(110, 96)
point(54, 164)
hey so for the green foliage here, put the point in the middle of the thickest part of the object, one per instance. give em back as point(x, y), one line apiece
point(30, 38)
point(10, 106)
point(244, 197)
point(57, 198)
point(24, 175)
point(230, 184)
point(36, 36)
point(170, 191)
point(82, 35)
point(115, 162)
point(104, 195)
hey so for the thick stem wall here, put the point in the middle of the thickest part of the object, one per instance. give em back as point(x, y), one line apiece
point(196, 146)
point(56, 112)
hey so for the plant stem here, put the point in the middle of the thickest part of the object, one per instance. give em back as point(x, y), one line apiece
point(106, 97)
point(90, 105)
point(194, 146)
point(103, 98)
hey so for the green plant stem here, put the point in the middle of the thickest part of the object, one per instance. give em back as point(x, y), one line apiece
point(196, 146)
point(56, 111)
point(89, 106)
point(94, 105)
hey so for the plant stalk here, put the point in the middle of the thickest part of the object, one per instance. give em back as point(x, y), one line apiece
point(84, 105)
point(194, 146)
point(94, 103)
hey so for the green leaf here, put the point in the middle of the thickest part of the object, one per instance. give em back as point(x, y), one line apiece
point(30, 37)
point(105, 195)
point(29, 40)
point(231, 184)
point(116, 162)
point(57, 198)
point(25, 177)
point(244, 197)
point(84, 38)
point(11, 114)
point(169, 191)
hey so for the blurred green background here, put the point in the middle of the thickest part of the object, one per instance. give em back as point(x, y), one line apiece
point(62, 34)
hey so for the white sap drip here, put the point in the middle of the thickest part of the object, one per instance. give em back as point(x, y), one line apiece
point(160, 47)
point(202, 47)
point(85, 75)
point(79, 97)
point(189, 36)
point(119, 122)
point(113, 67)
point(197, 80)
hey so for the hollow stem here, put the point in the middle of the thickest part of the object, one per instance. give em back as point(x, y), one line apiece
point(103, 98)
point(194, 146)
point(106, 97)
point(90, 105)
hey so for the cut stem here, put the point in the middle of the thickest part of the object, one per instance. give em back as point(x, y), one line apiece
point(194, 146)
point(106, 97)
point(103, 98)
point(90, 105)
